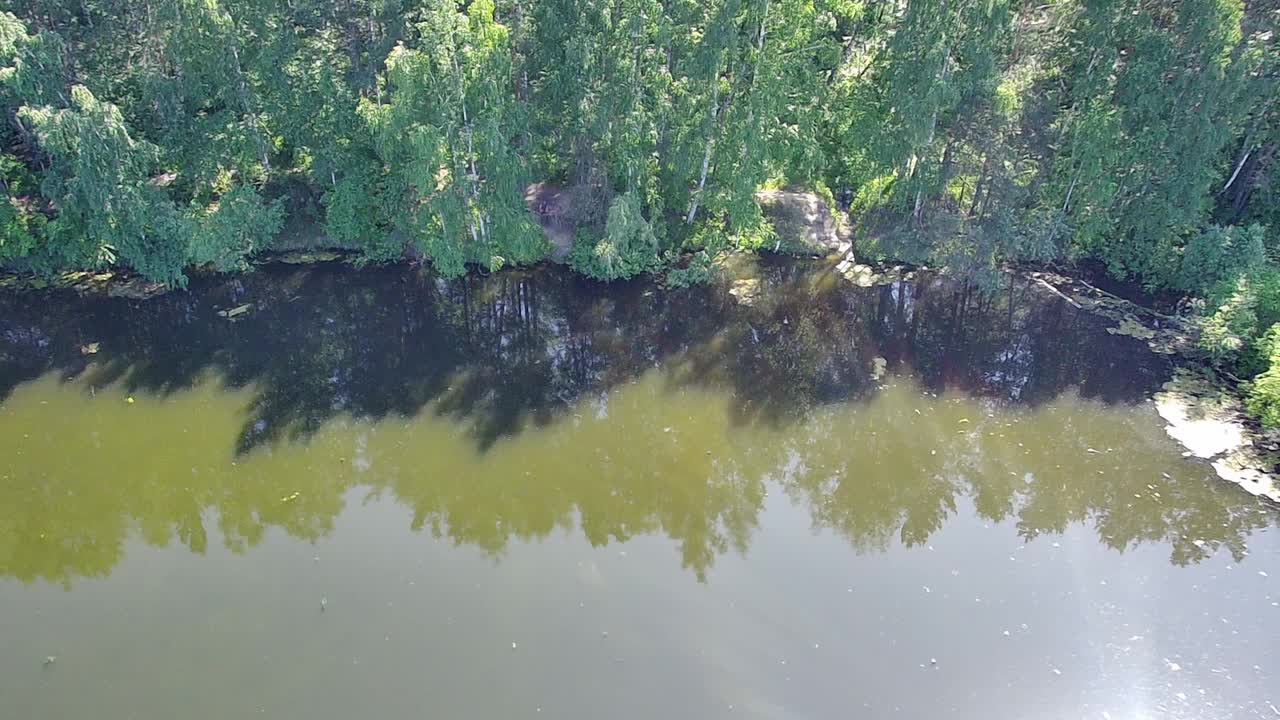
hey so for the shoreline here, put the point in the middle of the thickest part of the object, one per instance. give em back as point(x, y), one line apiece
point(1202, 411)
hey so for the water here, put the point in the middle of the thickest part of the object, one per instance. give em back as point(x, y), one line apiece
point(383, 494)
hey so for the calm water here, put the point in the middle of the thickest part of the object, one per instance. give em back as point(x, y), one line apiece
point(380, 494)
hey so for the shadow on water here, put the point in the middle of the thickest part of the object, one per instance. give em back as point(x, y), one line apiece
point(507, 349)
point(502, 354)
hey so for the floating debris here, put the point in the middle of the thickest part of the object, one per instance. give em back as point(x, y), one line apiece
point(50, 659)
point(1131, 327)
point(236, 311)
point(878, 367)
point(303, 257)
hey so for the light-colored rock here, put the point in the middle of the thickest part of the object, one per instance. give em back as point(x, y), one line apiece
point(1207, 430)
point(878, 367)
point(802, 221)
point(305, 257)
point(1131, 327)
point(745, 290)
point(1254, 481)
point(862, 275)
point(135, 289)
point(556, 210)
point(235, 312)
point(1210, 424)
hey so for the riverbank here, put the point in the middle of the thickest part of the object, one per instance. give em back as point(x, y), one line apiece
point(128, 284)
point(802, 223)
point(1201, 408)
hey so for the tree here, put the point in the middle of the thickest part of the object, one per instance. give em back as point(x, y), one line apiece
point(966, 133)
point(446, 132)
point(1143, 127)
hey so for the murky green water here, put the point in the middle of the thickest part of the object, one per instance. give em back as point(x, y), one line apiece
point(380, 494)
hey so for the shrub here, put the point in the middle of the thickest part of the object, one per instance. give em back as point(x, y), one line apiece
point(1241, 311)
point(627, 249)
point(698, 271)
point(239, 225)
point(1217, 254)
point(1263, 394)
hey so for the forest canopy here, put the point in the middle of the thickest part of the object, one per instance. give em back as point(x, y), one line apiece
point(165, 134)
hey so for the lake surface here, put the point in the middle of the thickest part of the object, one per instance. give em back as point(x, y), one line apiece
point(383, 494)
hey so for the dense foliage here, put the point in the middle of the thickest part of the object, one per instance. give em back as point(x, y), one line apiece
point(164, 134)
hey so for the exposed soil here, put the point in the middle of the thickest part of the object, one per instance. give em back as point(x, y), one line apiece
point(554, 208)
point(803, 222)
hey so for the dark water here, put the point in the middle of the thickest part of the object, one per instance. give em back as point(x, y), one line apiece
point(382, 493)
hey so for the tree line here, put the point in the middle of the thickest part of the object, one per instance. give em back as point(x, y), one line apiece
point(166, 134)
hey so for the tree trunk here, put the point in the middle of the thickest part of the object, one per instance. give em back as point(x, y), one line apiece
point(982, 179)
point(1244, 186)
point(944, 174)
point(252, 117)
point(710, 145)
point(917, 211)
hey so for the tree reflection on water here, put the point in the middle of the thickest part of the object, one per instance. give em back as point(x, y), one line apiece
point(509, 406)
